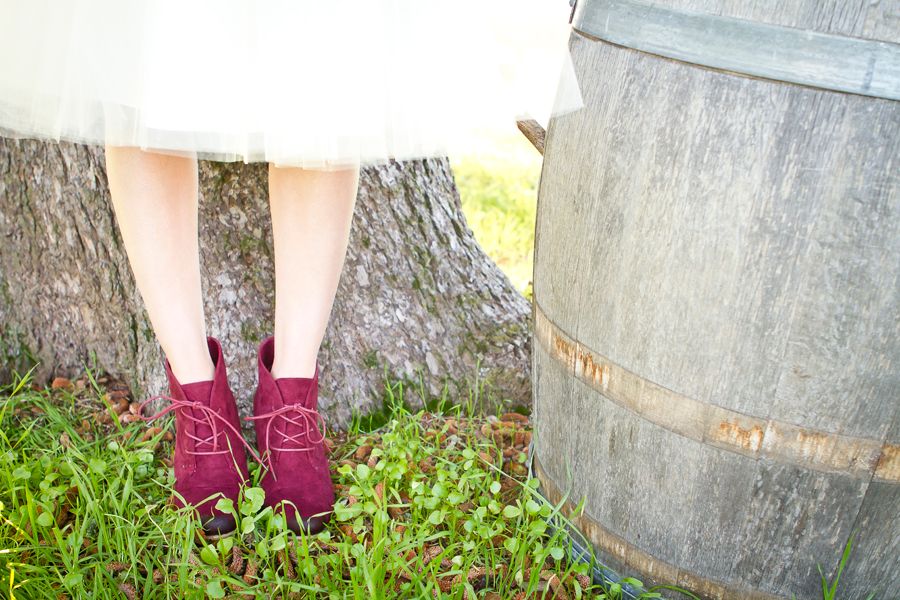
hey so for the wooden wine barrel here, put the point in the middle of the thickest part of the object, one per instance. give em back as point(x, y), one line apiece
point(717, 294)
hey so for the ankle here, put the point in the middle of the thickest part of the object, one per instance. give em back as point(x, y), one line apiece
point(293, 360)
point(193, 371)
point(296, 369)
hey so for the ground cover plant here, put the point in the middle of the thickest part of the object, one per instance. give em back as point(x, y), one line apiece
point(435, 502)
point(432, 503)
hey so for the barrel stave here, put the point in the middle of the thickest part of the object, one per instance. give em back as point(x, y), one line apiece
point(716, 333)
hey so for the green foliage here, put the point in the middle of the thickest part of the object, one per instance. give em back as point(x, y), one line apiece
point(83, 513)
point(829, 590)
point(499, 200)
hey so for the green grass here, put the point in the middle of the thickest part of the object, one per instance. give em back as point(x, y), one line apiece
point(498, 190)
point(829, 589)
point(434, 502)
point(429, 505)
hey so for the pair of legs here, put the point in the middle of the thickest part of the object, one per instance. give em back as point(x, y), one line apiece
point(155, 199)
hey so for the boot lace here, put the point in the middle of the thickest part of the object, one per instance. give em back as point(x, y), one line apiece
point(210, 418)
point(303, 418)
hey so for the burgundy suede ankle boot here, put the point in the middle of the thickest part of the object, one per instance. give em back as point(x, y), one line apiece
point(292, 445)
point(209, 447)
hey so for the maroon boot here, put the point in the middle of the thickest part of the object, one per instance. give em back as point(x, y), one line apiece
point(291, 444)
point(209, 447)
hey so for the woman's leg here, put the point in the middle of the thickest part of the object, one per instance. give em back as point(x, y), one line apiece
point(311, 216)
point(155, 199)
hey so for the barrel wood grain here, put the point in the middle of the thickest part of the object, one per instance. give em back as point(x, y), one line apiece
point(878, 21)
point(717, 290)
point(819, 60)
point(862, 458)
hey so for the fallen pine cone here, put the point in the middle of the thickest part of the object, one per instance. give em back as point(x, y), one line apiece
point(284, 558)
point(555, 585)
point(516, 468)
point(64, 503)
point(514, 416)
point(362, 452)
point(431, 552)
point(115, 567)
point(476, 577)
point(250, 573)
point(62, 383)
point(237, 561)
point(583, 580)
point(89, 546)
point(117, 393)
point(348, 531)
point(445, 584)
point(129, 590)
point(151, 433)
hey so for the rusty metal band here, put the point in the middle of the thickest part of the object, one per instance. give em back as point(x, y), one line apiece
point(756, 437)
point(633, 557)
point(820, 60)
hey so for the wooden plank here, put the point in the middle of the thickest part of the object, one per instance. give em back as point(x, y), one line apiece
point(857, 18)
point(820, 60)
point(857, 457)
point(873, 562)
point(619, 554)
point(721, 222)
point(724, 246)
point(533, 132)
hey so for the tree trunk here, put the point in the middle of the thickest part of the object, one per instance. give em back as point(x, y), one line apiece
point(417, 294)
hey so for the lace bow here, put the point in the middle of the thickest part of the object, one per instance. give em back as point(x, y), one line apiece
point(210, 418)
point(297, 414)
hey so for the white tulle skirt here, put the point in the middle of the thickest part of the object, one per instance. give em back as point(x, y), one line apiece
point(315, 84)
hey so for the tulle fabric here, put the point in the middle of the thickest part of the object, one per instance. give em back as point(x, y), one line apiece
point(316, 84)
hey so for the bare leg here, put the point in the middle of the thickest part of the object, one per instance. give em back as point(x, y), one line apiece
point(311, 217)
point(155, 199)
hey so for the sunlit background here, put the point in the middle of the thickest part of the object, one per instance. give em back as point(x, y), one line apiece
point(498, 188)
point(498, 178)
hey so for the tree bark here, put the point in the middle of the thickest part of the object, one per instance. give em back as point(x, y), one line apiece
point(418, 299)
